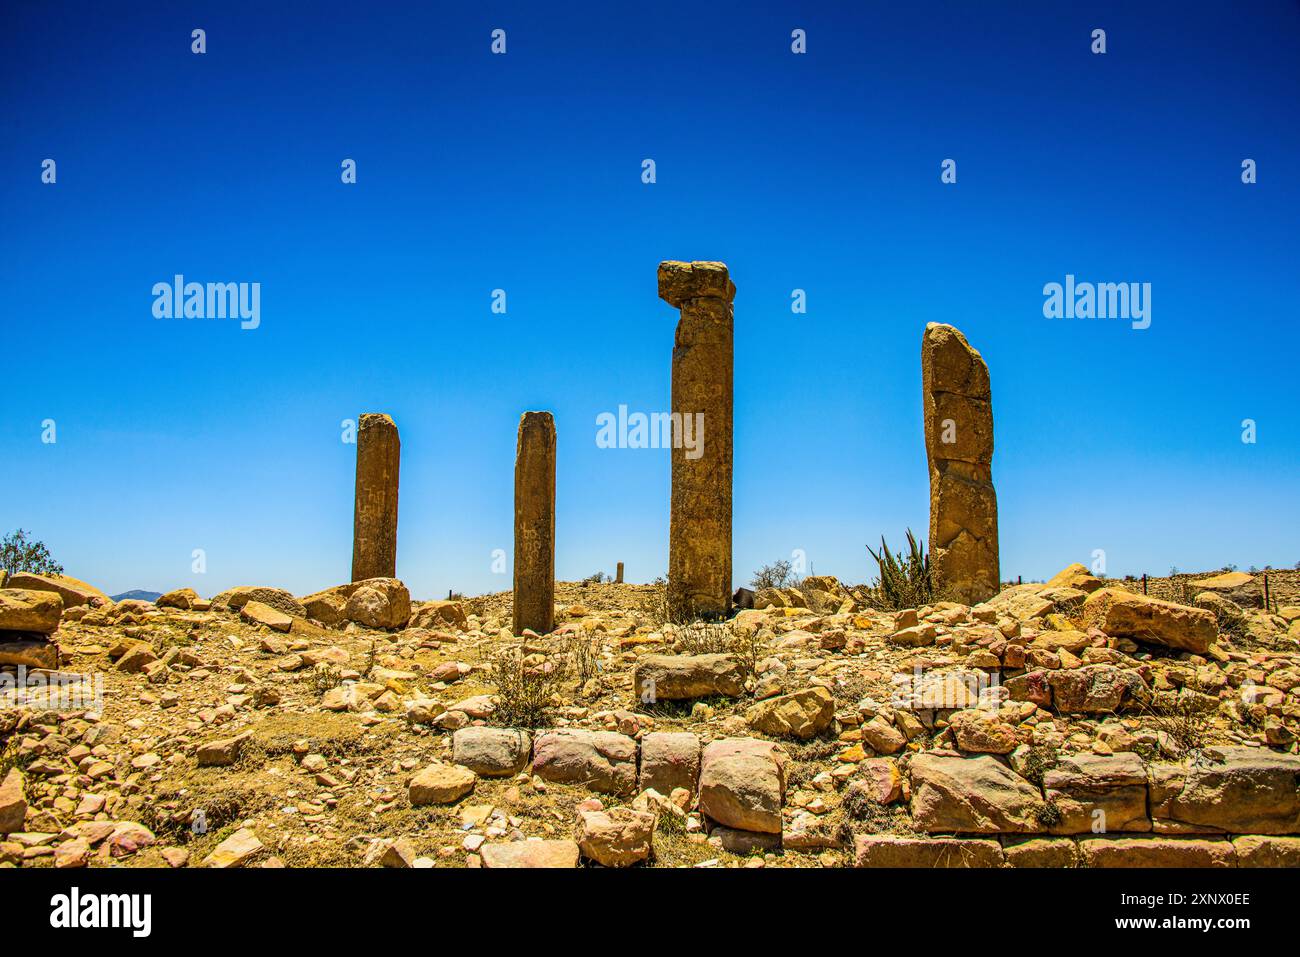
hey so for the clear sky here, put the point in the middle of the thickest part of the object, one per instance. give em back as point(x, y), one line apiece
point(523, 172)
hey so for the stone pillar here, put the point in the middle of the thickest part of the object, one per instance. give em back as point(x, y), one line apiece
point(374, 523)
point(699, 537)
point(535, 524)
point(959, 447)
point(618, 574)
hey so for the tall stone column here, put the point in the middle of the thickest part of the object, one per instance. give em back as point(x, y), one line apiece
point(959, 447)
point(374, 523)
point(535, 524)
point(699, 536)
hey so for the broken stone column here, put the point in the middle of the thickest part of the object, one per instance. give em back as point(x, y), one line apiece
point(374, 524)
point(699, 537)
point(959, 446)
point(535, 524)
point(618, 574)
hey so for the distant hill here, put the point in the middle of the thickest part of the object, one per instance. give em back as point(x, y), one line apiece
point(139, 594)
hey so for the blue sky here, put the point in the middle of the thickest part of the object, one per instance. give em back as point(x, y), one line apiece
point(523, 172)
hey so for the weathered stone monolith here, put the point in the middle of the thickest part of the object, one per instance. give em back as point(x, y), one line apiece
point(374, 524)
point(699, 537)
point(618, 574)
point(959, 446)
point(535, 524)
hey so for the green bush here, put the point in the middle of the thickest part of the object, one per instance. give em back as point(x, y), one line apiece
point(905, 579)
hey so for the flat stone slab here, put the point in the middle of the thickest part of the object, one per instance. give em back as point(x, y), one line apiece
point(531, 854)
point(234, 850)
point(1237, 790)
point(1259, 850)
point(682, 677)
point(891, 850)
point(1156, 852)
point(1098, 793)
point(979, 795)
point(604, 761)
point(1042, 852)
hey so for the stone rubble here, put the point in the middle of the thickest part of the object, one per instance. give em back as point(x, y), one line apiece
point(1022, 733)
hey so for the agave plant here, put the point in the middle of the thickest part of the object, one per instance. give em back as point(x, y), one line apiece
point(905, 579)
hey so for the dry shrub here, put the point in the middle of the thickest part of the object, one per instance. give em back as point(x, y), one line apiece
point(581, 650)
point(525, 692)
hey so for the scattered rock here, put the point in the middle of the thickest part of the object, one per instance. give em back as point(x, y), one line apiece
point(260, 613)
point(603, 761)
point(972, 796)
point(742, 784)
point(1238, 587)
point(441, 784)
point(1075, 576)
point(183, 598)
point(1095, 689)
point(400, 853)
point(136, 658)
point(746, 843)
point(803, 714)
point(881, 781)
point(13, 803)
point(127, 838)
point(235, 850)
point(616, 838)
point(29, 610)
point(33, 652)
point(680, 677)
point(915, 637)
point(883, 737)
point(233, 599)
point(669, 760)
point(374, 603)
point(223, 753)
point(984, 732)
point(1126, 614)
point(73, 591)
point(439, 614)
point(492, 752)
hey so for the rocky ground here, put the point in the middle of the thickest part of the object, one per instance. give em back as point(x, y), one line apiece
point(1071, 722)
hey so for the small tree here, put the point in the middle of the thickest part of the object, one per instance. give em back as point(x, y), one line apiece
point(776, 575)
point(19, 554)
